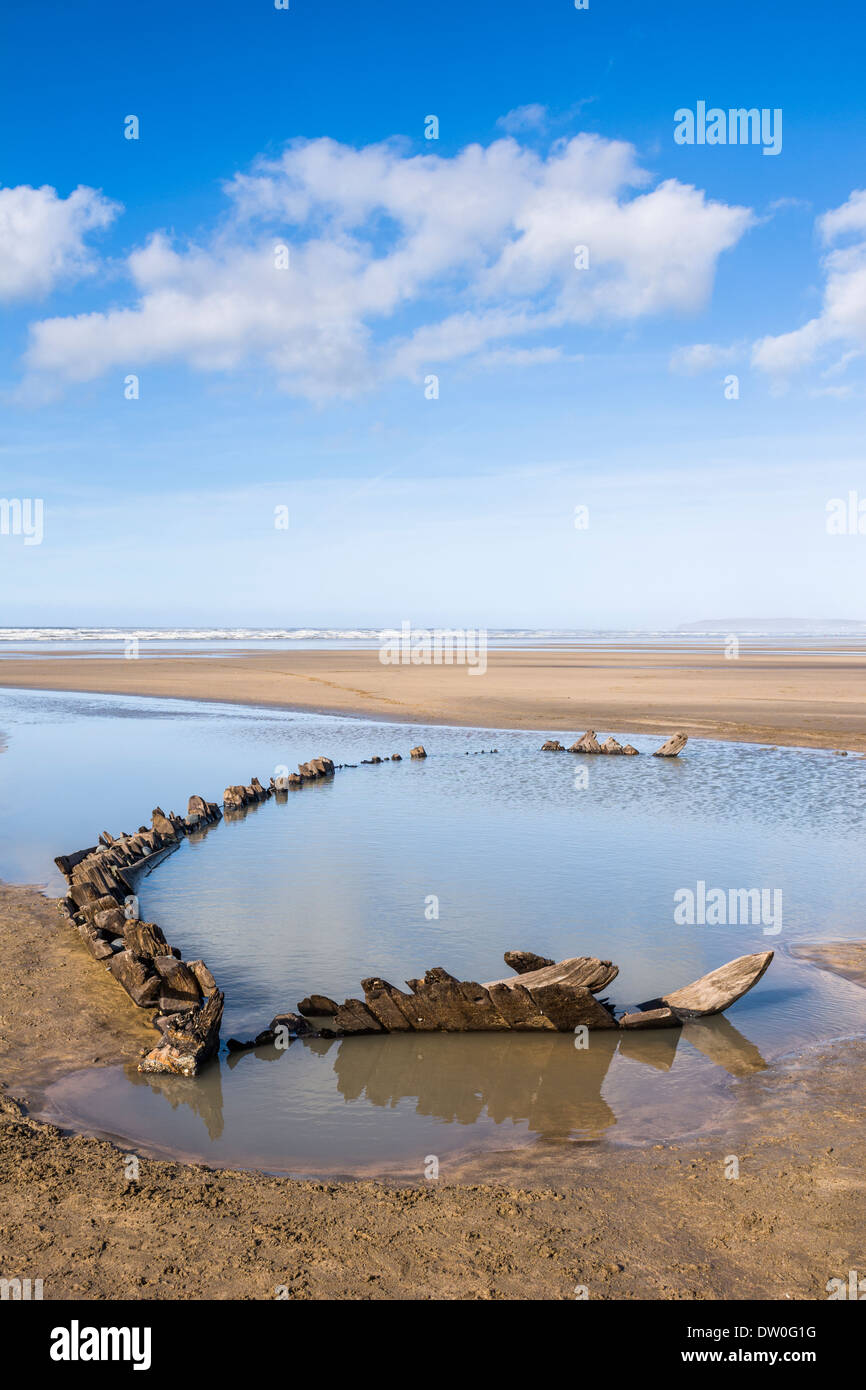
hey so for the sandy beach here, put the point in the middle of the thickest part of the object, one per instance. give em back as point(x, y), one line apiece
point(658, 1222)
point(801, 697)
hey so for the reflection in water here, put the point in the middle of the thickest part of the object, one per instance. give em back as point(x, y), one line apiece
point(719, 1040)
point(321, 887)
point(204, 1101)
point(656, 1048)
point(544, 1084)
point(234, 815)
point(198, 837)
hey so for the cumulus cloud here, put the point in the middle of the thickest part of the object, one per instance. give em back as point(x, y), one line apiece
point(398, 262)
point(842, 320)
point(42, 237)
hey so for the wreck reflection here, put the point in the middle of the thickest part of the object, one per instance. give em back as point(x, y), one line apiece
point(718, 1039)
point(543, 1084)
point(370, 1105)
point(204, 1101)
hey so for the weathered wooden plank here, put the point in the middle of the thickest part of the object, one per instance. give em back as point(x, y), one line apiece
point(717, 990)
point(354, 1017)
point(384, 1002)
point(440, 995)
point(484, 1010)
point(650, 1018)
point(568, 1006)
point(519, 1009)
point(674, 745)
point(587, 972)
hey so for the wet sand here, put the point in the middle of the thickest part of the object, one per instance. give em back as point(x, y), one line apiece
point(661, 1222)
point(845, 958)
point(799, 698)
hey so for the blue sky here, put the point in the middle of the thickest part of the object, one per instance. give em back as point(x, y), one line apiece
point(304, 387)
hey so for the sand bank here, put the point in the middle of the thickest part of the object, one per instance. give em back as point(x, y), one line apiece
point(845, 958)
point(797, 698)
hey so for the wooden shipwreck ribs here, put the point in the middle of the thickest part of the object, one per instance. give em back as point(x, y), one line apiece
point(544, 994)
point(541, 995)
point(100, 888)
point(590, 744)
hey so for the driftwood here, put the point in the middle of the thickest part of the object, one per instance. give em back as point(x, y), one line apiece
point(711, 993)
point(544, 995)
point(673, 746)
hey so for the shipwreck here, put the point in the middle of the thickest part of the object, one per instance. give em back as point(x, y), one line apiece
point(542, 994)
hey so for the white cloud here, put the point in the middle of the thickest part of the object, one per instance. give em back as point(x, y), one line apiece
point(399, 262)
point(842, 320)
point(850, 217)
point(788, 204)
point(525, 357)
point(42, 237)
point(704, 357)
point(530, 117)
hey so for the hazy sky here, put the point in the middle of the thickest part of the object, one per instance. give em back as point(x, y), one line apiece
point(283, 262)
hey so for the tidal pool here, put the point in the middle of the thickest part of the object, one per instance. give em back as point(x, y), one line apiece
point(391, 869)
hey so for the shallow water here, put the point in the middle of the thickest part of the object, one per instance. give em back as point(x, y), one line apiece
point(343, 879)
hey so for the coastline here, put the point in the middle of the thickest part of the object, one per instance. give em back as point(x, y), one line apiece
point(796, 699)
